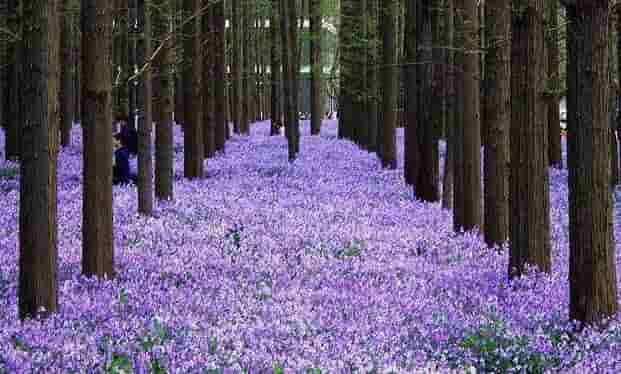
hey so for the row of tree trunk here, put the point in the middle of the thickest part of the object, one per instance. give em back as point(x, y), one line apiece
point(444, 75)
point(46, 58)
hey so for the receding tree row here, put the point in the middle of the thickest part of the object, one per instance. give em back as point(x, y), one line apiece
point(501, 85)
point(483, 76)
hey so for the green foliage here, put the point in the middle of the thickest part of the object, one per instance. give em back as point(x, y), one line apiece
point(120, 364)
point(353, 249)
point(9, 172)
point(234, 234)
point(498, 351)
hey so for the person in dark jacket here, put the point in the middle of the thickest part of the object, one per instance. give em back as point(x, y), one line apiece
point(129, 136)
point(121, 171)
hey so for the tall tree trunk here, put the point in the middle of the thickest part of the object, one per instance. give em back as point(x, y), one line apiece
point(289, 53)
point(193, 150)
point(388, 29)
point(276, 102)
point(467, 157)
point(358, 75)
point(346, 94)
point(208, 83)
point(317, 67)
point(145, 126)
point(14, 70)
point(411, 150)
point(612, 109)
point(592, 269)
point(554, 84)
point(424, 140)
point(372, 73)
point(66, 74)
point(4, 42)
point(163, 101)
point(38, 256)
point(77, 58)
point(97, 241)
point(237, 17)
point(529, 221)
point(449, 93)
point(221, 124)
point(245, 66)
point(132, 58)
point(497, 119)
point(219, 85)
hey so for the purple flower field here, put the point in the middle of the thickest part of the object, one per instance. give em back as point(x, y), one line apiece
point(328, 265)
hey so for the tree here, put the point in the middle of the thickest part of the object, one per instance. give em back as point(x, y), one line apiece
point(14, 112)
point(316, 66)
point(276, 102)
point(497, 119)
point(208, 80)
point(422, 132)
point(529, 222)
point(358, 94)
point(467, 158)
point(163, 101)
point(554, 83)
point(388, 30)
point(66, 97)
point(346, 78)
point(411, 151)
point(449, 94)
point(97, 241)
point(145, 125)
point(372, 74)
point(38, 290)
point(290, 82)
point(221, 125)
point(592, 266)
point(193, 150)
point(236, 64)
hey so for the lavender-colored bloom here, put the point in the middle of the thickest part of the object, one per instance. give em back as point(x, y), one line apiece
point(328, 263)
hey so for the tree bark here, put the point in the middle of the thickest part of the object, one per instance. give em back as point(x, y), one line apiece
point(193, 149)
point(221, 125)
point(497, 119)
point(14, 95)
point(592, 267)
point(38, 256)
point(163, 102)
point(554, 83)
point(388, 15)
point(358, 76)
point(97, 241)
point(66, 96)
point(449, 87)
point(529, 190)
point(422, 133)
point(290, 82)
point(236, 64)
point(145, 125)
point(316, 66)
point(276, 97)
point(208, 82)
point(346, 94)
point(411, 151)
point(372, 74)
point(467, 180)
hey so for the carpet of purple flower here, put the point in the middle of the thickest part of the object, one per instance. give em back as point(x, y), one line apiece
point(326, 265)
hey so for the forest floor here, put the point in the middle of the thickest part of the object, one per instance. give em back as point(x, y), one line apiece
point(322, 266)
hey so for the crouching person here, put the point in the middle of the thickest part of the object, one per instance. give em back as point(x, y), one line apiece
point(121, 169)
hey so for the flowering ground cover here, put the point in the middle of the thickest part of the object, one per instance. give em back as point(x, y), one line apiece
point(324, 266)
